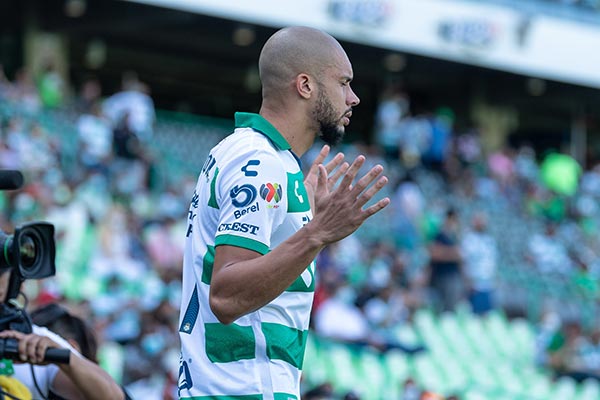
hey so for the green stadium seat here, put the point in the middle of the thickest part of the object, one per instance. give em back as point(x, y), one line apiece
point(341, 367)
point(564, 388)
point(590, 390)
point(396, 366)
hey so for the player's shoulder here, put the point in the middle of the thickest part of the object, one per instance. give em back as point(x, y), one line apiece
point(246, 143)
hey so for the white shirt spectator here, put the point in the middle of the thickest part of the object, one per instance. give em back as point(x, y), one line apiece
point(140, 108)
point(95, 136)
point(549, 255)
point(480, 258)
point(337, 319)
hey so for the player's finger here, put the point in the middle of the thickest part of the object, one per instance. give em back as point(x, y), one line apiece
point(322, 182)
point(372, 191)
point(337, 160)
point(375, 208)
point(320, 157)
point(352, 171)
point(367, 179)
point(337, 174)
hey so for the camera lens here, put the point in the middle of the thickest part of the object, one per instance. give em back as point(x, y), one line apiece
point(28, 250)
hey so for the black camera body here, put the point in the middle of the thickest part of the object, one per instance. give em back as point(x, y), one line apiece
point(29, 253)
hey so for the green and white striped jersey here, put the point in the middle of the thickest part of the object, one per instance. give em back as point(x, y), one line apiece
point(250, 194)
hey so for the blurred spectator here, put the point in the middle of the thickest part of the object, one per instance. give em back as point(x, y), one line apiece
point(392, 107)
point(338, 318)
point(416, 133)
point(439, 142)
point(548, 254)
point(408, 213)
point(445, 266)
point(572, 353)
point(24, 92)
point(480, 257)
point(501, 166)
point(410, 390)
point(88, 97)
point(95, 140)
point(133, 101)
point(320, 392)
point(51, 86)
point(561, 173)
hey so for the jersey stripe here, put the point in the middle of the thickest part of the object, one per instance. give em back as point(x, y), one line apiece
point(228, 343)
point(241, 242)
point(285, 343)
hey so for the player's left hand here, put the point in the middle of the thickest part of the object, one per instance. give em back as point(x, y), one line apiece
point(312, 178)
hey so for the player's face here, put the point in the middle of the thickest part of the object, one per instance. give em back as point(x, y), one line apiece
point(335, 100)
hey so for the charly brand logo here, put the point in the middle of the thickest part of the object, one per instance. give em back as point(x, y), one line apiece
point(271, 192)
point(242, 196)
point(251, 163)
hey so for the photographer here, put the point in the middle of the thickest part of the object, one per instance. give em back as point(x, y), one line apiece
point(80, 378)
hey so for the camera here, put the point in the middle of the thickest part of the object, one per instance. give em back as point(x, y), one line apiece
point(29, 253)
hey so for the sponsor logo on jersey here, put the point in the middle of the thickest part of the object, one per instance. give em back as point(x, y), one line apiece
point(242, 196)
point(251, 163)
point(239, 227)
point(252, 209)
point(271, 192)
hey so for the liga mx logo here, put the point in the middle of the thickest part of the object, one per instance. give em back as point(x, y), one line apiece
point(271, 192)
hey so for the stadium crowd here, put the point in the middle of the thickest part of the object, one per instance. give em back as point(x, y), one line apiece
point(465, 227)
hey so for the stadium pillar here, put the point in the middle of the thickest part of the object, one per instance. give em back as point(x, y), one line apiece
point(43, 48)
point(495, 123)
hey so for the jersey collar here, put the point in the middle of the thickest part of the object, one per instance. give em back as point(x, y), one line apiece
point(258, 123)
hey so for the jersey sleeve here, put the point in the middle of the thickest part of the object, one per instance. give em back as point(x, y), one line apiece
point(252, 200)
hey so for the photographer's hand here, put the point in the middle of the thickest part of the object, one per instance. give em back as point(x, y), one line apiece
point(32, 347)
point(79, 379)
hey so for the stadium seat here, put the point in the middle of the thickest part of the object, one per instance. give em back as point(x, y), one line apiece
point(590, 390)
point(564, 388)
point(340, 366)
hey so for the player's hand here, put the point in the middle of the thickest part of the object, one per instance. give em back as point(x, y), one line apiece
point(32, 347)
point(340, 210)
point(311, 181)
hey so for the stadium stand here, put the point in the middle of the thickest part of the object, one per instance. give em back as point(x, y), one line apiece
point(119, 227)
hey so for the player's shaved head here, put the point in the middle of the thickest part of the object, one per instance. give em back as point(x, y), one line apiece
point(294, 50)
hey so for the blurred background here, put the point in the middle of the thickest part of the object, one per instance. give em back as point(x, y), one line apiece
point(480, 281)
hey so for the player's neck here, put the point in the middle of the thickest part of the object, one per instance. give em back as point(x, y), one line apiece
point(292, 126)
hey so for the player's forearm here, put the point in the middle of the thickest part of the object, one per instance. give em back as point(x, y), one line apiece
point(242, 287)
point(90, 380)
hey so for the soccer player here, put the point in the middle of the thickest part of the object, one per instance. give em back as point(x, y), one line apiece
point(256, 224)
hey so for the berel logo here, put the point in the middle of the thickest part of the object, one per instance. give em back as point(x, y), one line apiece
point(247, 193)
point(253, 208)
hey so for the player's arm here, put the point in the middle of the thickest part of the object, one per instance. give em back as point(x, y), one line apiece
point(244, 280)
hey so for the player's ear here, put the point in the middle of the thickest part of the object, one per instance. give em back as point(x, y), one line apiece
point(305, 85)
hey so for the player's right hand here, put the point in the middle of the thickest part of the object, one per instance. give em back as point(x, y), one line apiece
point(341, 209)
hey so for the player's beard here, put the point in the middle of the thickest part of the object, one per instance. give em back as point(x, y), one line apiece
point(330, 128)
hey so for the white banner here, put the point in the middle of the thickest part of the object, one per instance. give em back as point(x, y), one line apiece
point(487, 35)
